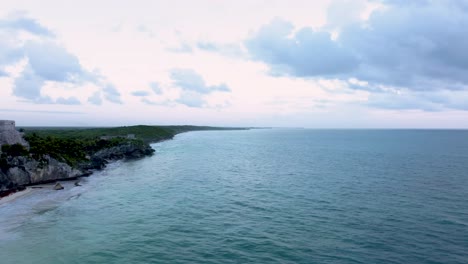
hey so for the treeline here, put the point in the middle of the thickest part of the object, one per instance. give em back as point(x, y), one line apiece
point(75, 145)
point(146, 133)
point(69, 150)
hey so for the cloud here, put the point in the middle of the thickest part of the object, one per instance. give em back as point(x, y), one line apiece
point(416, 46)
point(150, 102)
point(143, 29)
point(427, 101)
point(55, 63)
point(28, 86)
point(191, 99)
point(189, 80)
point(68, 101)
point(404, 2)
point(10, 52)
point(47, 62)
point(40, 111)
point(111, 94)
point(95, 99)
point(305, 53)
point(343, 12)
point(44, 61)
point(230, 50)
point(25, 24)
point(208, 46)
point(140, 93)
point(182, 48)
point(155, 87)
point(395, 101)
point(194, 87)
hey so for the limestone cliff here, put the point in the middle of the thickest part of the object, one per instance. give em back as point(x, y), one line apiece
point(26, 170)
point(16, 172)
point(128, 150)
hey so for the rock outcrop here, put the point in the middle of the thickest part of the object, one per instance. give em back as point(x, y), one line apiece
point(22, 171)
point(128, 150)
point(58, 186)
point(6, 185)
point(25, 170)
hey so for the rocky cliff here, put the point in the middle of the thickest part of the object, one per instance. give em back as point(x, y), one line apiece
point(21, 171)
point(127, 150)
point(17, 172)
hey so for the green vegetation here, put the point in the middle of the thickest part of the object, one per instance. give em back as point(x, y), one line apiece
point(146, 133)
point(14, 150)
point(69, 150)
point(73, 145)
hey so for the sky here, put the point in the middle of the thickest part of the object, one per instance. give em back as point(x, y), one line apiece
point(262, 63)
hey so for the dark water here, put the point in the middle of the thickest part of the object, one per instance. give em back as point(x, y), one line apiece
point(260, 196)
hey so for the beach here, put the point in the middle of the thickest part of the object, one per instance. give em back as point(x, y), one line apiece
point(16, 195)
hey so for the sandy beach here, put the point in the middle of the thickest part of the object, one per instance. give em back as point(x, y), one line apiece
point(16, 195)
point(26, 192)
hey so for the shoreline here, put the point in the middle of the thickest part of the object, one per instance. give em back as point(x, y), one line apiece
point(13, 196)
point(30, 188)
point(65, 172)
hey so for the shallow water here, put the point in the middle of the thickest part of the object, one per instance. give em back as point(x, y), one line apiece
point(259, 196)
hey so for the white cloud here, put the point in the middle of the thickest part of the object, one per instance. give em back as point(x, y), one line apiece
point(95, 98)
point(132, 57)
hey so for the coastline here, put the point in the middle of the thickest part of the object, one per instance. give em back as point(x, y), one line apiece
point(53, 171)
point(13, 196)
point(99, 162)
point(30, 188)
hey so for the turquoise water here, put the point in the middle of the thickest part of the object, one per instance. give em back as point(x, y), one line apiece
point(259, 196)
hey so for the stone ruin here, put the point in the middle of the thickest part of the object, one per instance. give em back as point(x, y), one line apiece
point(9, 134)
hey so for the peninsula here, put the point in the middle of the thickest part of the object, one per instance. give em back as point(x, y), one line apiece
point(36, 155)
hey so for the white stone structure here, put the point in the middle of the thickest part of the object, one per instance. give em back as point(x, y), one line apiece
point(7, 125)
point(9, 134)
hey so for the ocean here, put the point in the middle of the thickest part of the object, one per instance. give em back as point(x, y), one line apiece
point(258, 196)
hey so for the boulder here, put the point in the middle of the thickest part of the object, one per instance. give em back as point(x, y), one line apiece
point(58, 186)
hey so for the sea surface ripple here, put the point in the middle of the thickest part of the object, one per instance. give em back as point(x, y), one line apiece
point(258, 196)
